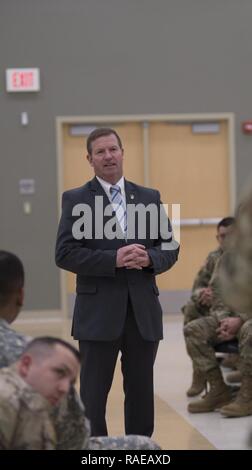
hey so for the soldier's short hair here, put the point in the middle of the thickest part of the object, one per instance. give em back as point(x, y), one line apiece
point(101, 132)
point(226, 222)
point(11, 276)
point(42, 347)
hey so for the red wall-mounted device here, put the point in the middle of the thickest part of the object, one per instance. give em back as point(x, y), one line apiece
point(247, 127)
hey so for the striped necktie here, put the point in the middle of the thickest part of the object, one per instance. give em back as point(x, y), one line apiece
point(119, 207)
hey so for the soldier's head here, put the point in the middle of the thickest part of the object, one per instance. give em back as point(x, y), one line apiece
point(11, 285)
point(224, 229)
point(50, 366)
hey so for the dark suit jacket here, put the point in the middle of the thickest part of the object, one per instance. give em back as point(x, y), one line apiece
point(102, 289)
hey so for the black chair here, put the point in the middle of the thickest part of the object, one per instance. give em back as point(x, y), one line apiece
point(230, 347)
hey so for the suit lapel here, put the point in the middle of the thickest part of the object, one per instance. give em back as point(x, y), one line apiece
point(97, 190)
point(132, 197)
point(130, 193)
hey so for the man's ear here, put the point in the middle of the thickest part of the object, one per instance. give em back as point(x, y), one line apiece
point(20, 298)
point(89, 159)
point(24, 365)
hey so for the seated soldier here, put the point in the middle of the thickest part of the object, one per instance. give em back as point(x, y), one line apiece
point(202, 335)
point(201, 298)
point(69, 421)
point(236, 281)
point(39, 379)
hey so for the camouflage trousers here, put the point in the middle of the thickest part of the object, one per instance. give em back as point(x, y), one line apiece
point(130, 442)
point(200, 338)
point(193, 310)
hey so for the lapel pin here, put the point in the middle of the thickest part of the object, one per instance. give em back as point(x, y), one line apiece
point(132, 196)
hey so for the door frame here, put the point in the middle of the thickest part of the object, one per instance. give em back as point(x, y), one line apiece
point(145, 119)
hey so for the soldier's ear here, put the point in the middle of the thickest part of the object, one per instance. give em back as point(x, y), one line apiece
point(24, 365)
point(20, 298)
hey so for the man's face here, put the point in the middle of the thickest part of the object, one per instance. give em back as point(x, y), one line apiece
point(223, 234)
point(107, 158)
point(52, 375)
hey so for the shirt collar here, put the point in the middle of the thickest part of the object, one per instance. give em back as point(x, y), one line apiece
point(106, 186)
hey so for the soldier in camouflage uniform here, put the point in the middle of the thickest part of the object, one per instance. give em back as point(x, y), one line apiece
point(201, 298)
point(72, 428)
point(37, 381)
point(236, 272)
point(236, 282)
point(202, 335)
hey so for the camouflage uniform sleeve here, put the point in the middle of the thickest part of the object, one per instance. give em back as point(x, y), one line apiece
point(218, 305)
point(8, 420)
point(244, 316)
point(24, 417)
point(70, 423)
point(217, 302)
point(35, 430)
point(12, 345)
point(130, 442)
point(205, 273)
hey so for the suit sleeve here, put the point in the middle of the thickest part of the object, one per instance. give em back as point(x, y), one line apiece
point(72, 254)
point(165, 250)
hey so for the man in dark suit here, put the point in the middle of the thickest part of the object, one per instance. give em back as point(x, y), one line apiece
point(116, 260)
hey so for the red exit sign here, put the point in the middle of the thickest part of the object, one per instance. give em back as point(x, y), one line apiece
point(22, 80)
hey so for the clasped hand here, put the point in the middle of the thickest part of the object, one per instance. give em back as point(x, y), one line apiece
point(228, 328)
point(132, 256)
